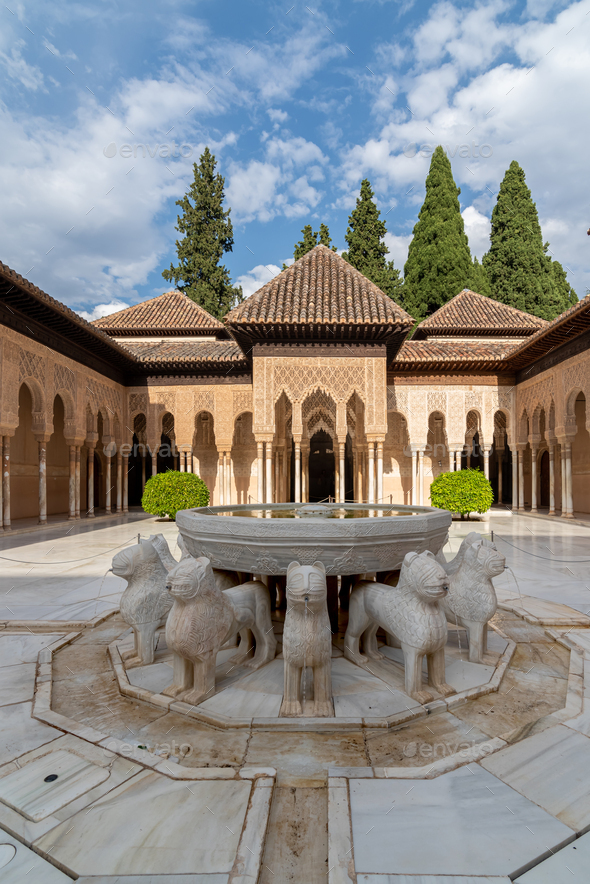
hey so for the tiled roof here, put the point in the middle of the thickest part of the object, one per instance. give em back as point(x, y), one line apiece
point(212, 353)
point(564, 328)
point(455, 354)
point(321, 288)
point(171, 312)
point(470, 313)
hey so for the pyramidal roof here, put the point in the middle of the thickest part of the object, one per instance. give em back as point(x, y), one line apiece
point(320, 289)
point(170, 313)
point(471, 314)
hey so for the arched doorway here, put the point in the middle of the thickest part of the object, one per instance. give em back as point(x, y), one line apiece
point(58, 463)
point(24, 480)
point(544, 480)
point(321, 467)
point(166, 459)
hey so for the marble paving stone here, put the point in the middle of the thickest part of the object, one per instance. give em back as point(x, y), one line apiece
point(303, 759)
point(470, 830)
point(154, 678)
point(572, 862)
point(148, 825)
point(553, 660)
point(268, 679)
point(581, 637)
point(29, 792)
point(20, 733)
point(236, 703)
point(550, 612)
point(154, 879)
point(350, 679)
point(428, 879)
point(17, 683)
point(17, 861)
point(463, 675)
point(24, 647)
point(553, 770)
point(372, 704)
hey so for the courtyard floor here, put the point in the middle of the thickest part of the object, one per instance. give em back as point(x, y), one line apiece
point(145, 794)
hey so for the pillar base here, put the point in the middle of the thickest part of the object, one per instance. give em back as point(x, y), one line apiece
point(551, 513)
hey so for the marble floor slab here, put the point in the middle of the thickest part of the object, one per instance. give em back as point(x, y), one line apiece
point(371, 703)
point(463, 675)
point(552, 769)
point(44, 786)
point(571, 863)
point(148, 826)
point(17, 683)
point(236, 703)
point(17, 863)
point(476, 826)
point(429, 879)
point(154, 678)
point(24, 647)
point(20, 733)
point(154, 879)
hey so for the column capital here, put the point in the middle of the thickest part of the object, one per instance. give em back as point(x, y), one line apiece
point(44, 437)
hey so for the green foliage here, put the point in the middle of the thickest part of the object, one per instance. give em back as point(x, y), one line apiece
point(166, 493)
point(464, 492)
point(439, 262)
point(479, 280)
point(520, 272)
point(207, 234)
point(312, 238)
point(366, 249)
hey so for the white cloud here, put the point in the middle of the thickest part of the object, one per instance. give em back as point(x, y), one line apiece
point(103, 310)
point(277, 115)
point(398, 249)
point(257, 277)
point(17, 68)
point(477, 228)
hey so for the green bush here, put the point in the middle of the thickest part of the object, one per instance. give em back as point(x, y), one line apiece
point(166, 493)
point(464, 492)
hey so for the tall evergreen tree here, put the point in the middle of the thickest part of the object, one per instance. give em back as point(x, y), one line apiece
point(519, 270)
point(312, 238)
point(479, 280)
point(324, 237)
point(207, 234)
point(366, 249)
point(439, 261)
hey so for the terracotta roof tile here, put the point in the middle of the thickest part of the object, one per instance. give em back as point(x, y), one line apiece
point(320, 288)
point(420, 354)
point(171, 312)
point(470, 313)
point(187, 352)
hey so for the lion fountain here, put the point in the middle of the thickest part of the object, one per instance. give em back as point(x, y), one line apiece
point(413, 614)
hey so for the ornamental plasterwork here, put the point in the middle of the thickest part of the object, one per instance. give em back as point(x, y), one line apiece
point(137, 403)
point(64, 379)
point(243, 401)
point(30, 365)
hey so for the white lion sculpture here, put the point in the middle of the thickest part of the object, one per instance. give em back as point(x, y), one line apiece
point(471, 600)
point(412, 613)
point(201, 620)
point(307, 639)
point(145, 602)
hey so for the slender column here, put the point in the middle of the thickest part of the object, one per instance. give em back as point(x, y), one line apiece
point(72, 484)
point(451, 461)
point(514, 480)
point(421, 476)
point(534, 479)
point(500, 495)
point(182, 462)
point(260, 471)
point(143, 460)
point(77, 481)
point(221, 476)
point(458, 459)
point(108, 483)
point(379, 472)
point(568, 475)
point(125, 483)
point(6, 482)
point(371, 453)
point(228, 478)
point(521, 480)
point(119, 482)
point(342, 475)
point(486, 463)
point(1, 483)
point(552, 480)
point(268, 498)
point(305, 473)
point(414, 478)
point(42, 483)
point(277, 476)
point(297, 494)
point(90, 471)
point(359, 475)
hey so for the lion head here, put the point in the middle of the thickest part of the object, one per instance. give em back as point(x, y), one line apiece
point(135, 560)
point(306, 583)
point(484, 556)
point(191, 577)
point(424, 575)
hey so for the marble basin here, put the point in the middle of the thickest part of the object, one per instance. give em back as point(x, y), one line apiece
point(347, 539)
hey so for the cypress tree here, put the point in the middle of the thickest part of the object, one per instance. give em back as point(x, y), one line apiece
point(439, 261)
point(366, 249)
point(311, 239)
point(324, 237)
point(207, 234)
point(479, 280)
point(519, 270)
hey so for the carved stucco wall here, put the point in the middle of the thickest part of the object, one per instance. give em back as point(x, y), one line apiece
point(339, 377)
point(556, 387)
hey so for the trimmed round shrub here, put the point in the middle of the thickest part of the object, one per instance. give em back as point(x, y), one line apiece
point(166, 493)
point(463, 492)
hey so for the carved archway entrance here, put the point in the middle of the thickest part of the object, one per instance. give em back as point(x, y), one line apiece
point(322, 470)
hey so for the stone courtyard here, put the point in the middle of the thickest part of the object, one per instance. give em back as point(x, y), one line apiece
point(104, 779)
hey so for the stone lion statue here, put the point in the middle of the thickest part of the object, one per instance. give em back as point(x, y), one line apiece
point(201, 620)
point(145, 602)
point(471, 600)
point(412, 613)
point(307, 639)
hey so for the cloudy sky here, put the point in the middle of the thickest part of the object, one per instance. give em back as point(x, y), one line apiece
point(104, 107)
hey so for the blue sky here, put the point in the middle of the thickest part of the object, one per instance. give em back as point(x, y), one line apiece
point(299, 103)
